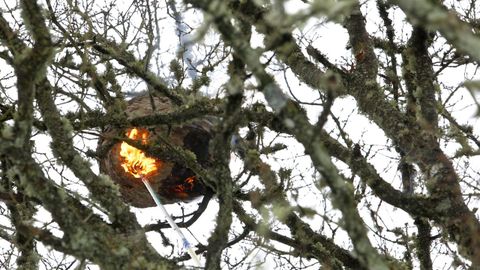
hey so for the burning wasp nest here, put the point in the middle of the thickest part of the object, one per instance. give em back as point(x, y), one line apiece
point(126, 165)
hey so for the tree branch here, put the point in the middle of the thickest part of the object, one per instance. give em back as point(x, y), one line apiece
point(435, 16)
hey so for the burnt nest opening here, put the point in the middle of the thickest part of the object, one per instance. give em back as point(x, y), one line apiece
point(171, 180)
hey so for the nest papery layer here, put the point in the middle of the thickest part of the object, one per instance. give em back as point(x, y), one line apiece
point(172, 181)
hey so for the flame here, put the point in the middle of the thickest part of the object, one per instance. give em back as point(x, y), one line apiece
point(182, 190)
point(134, 160)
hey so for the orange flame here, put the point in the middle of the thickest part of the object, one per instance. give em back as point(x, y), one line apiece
point(134, 160)
point(183, 189)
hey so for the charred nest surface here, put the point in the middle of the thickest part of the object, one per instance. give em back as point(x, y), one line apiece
point(173, 182)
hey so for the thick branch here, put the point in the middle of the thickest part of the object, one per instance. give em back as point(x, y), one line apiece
point(423, 243)
point(421, 63)
point(21, 214)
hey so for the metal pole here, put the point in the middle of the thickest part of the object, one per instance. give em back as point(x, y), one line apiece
point(172, 224)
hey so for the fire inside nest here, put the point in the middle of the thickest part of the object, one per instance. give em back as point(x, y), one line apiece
point(135, 160)
point(139, 165)
point(182, 185)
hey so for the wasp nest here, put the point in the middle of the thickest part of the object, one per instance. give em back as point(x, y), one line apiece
point(173, 182)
